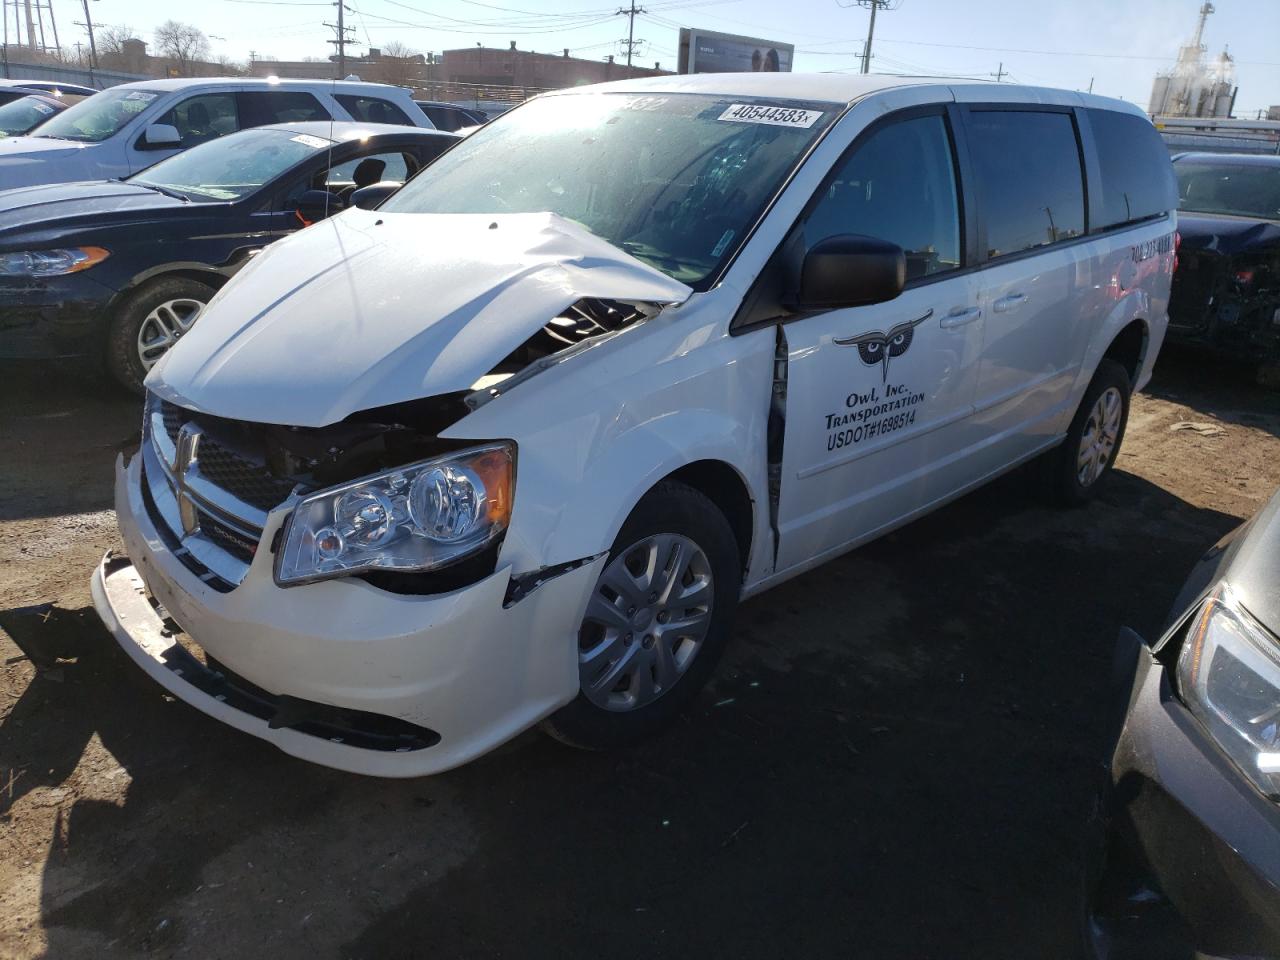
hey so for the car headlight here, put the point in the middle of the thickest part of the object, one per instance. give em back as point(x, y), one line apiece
point(50, 263)
point(1229, 676)
point(415, 518)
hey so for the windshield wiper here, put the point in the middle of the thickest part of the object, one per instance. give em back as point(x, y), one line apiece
point(174, 194)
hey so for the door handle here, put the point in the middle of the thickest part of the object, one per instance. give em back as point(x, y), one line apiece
point(1012, 302)
point(958, 318)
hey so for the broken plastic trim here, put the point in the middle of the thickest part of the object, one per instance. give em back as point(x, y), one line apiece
point(582, 325)
point(523, 584)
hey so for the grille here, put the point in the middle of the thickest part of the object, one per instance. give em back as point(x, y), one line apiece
point(173, 417)
point(241, 477)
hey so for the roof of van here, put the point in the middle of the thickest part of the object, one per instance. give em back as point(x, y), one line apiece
point(846, 88)
point(182, 83)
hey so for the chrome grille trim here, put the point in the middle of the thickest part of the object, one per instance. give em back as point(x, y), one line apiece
point(160, 455)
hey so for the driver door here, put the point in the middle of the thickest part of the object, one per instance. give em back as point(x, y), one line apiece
point(880, 397)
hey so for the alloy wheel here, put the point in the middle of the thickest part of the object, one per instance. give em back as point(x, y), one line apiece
point(1101, 433)
point(164, 326)
point(646, 621)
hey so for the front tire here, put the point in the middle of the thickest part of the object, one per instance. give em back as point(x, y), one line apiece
point(1093, 440)
point(657, 622)
point(148, 322)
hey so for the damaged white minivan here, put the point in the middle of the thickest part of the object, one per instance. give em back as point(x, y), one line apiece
point(511, 447)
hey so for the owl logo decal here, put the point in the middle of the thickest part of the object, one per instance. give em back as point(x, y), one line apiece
point(876, 347)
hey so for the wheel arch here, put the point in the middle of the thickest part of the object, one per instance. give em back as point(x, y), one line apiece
point(1129, 348)
point(724, 486)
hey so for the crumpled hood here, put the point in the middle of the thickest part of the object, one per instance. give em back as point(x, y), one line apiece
point(370, 308)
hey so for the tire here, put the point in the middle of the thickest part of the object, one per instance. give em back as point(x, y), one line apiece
point(1073, 478)
point(169, 305)
point(653, 683)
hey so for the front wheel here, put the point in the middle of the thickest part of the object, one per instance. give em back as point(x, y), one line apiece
point(148, 322)
point(1093, 440)
point(657, 620)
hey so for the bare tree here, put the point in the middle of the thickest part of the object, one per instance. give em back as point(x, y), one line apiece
point(181, 43)
point(111, 40)
point(400, 65)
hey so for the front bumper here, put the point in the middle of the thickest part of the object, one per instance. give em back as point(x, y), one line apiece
point(53, 317)
point(1187, 823)
point(460, 664)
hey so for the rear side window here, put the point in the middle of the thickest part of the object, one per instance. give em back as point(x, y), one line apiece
point(1137, 177)
point(1027, 164)
point(280, 106)
point(372, 109)
point(899, 185)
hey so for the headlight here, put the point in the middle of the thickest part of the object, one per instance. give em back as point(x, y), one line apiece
point(1229, 675)
point(50, 263)
point(418, 517)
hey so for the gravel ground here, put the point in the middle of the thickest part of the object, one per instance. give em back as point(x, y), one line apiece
point(895, 760)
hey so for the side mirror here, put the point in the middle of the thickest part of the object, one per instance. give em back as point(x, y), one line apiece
point(849, 270)
point(366, 198)
point(317, 204)
point(161, 136)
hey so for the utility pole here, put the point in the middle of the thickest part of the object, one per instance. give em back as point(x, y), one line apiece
point(999, 74)
point(875, 6)
point(630, 14)
point(93, 48)
point(341, 30)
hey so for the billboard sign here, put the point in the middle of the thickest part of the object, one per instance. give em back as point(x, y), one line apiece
point(703, 51)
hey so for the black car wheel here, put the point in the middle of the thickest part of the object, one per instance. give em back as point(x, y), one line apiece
point(148, 322)
point(657, 621)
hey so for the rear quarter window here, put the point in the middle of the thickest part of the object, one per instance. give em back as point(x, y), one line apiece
point(1134, 167)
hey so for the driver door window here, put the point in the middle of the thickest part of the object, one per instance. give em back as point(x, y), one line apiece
point(899, 186)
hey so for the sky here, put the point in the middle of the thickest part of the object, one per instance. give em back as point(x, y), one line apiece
point(1117, 45)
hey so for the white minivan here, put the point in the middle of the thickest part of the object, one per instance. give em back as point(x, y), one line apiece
point(130, 127)
point(511, 447)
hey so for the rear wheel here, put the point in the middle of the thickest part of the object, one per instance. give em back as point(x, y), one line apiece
point(1093, 440)
point(657, 621)
point(147, 324)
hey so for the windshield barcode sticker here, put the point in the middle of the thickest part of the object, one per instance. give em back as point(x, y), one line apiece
point(309, 141)
point(776, 116)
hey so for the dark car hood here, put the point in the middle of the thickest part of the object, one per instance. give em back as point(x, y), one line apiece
point(1226, 235)
point(49, 206)
point(1254, 570)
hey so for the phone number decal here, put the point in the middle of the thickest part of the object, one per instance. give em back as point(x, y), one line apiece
point(776, 116)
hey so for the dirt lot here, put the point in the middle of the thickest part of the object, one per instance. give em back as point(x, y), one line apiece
point(895, 760)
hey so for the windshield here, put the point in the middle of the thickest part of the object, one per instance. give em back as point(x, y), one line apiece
point(1245, 190)
point(231, 167)
point(95, 118)
point(19, 116)
point(676, 181)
